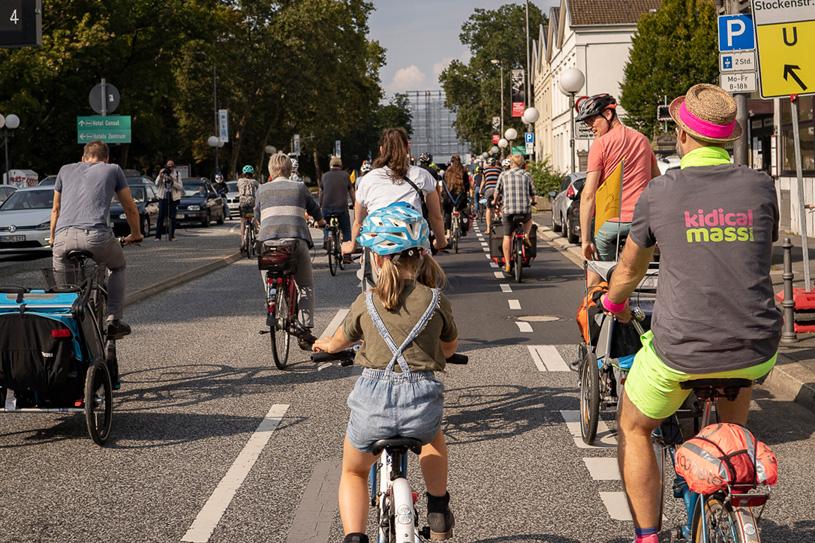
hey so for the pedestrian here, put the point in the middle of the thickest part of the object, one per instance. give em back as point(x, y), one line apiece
point(170, 191)
point(614, 144)
point(336, 192)
point(715, 315)
point(79, 221)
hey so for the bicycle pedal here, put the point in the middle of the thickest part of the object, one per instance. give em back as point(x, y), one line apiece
point(263, 332)
point(425, 532)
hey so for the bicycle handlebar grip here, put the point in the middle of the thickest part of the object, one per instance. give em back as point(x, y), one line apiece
point(342, 356)
point(458, 358)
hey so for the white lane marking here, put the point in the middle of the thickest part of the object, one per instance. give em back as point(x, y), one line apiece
point(210, 515)
point(498, 275)
point(603, 469)
point(335, 323)
point(524, 326)
point(616, 505)
point(515, 305)
point(488, 255)
point(485, 244)
point(493, 265)
point(506, 288)
point(549, 357)
point(605, 438)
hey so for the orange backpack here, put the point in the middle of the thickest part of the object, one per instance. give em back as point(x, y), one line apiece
point(583, 313)
point(725, 454)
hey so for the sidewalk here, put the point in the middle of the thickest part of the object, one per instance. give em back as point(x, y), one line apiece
point(793, 377)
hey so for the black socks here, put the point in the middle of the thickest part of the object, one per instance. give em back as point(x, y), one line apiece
point(355, 538)
point(437, 504)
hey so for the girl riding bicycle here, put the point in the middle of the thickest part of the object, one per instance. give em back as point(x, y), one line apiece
point(455, 194)
point(398, 394)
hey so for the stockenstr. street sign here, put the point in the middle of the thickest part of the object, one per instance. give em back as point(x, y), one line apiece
point(785, 39)
point(110, 129)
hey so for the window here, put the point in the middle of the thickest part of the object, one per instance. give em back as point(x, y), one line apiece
point(806, 115)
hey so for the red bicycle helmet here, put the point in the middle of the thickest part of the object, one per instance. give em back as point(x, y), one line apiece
point(589, 106)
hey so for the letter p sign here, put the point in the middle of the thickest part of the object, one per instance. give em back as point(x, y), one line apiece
point(736, 33)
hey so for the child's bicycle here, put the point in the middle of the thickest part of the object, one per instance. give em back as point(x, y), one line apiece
point(396, 516)
point(248, 241)
point(455, 230)
point(333, 245)
point(73, 366)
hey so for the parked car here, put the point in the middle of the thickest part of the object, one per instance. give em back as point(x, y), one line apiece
point(48, 181)
point(668, 163)
point(5, 192)
point(566, 206)
point(232, 199)
point(200, 203)
point(144, 194)
point(25, 219)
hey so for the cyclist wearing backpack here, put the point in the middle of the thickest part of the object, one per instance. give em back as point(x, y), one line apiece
point(455, 194)
point(247, 191)
point(713, 220)
point(386, 402)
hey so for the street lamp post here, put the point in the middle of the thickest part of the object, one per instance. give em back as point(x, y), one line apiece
point(510, 135)
point(8, 123)
point(216, 143)
point(498, 63)
point(571, 81)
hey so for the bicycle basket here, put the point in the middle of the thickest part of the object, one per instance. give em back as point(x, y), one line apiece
point(723, 455)
point(277, 256)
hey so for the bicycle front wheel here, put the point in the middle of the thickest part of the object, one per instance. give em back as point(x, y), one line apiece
point(519, 263)
point(589, 398)
point(98, 402)
point(279, 329)
point(723, 524)
point(332, 256)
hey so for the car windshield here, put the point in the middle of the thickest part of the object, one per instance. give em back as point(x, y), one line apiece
point(233, 186)
point(194, 188)
point(137, 192)
point(29, 199)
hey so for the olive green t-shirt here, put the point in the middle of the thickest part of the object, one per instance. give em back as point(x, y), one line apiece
point(424, 353)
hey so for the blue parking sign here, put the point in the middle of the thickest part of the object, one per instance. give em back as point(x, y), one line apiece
point(736, 33)
point(530, 137)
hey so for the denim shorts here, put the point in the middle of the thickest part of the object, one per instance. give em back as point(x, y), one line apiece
point(386, 404)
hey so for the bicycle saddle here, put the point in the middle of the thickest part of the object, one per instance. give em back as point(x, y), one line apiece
point(79, 254)
point(716, 388)
point(401, 444)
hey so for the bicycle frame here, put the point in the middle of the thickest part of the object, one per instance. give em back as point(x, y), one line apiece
point(394, 496)
point(281, 282)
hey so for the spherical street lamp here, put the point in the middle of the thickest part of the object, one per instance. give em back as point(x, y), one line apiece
point(270, 149)
point(531, 116)
point(10, 122)
point(571, 81)
point(503, 143)
point(494, 150)
point(511, 134)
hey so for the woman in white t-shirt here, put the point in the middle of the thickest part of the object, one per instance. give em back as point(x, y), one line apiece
point(388, 183)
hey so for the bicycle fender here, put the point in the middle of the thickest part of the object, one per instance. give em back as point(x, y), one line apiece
point(403, 512)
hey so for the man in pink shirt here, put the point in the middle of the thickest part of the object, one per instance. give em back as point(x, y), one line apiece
point(614, 143)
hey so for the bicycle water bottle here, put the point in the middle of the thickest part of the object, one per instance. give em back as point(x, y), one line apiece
point(691, 500)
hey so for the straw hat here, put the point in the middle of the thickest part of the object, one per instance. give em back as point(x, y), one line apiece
point(707, 113)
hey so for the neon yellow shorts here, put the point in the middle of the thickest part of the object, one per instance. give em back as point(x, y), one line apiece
point(655, 390)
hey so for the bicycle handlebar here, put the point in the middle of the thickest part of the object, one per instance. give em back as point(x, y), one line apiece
point(346, 358)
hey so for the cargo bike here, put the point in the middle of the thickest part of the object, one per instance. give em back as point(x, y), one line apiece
point(55, 353)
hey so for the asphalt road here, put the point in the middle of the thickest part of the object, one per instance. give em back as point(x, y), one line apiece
point(212, 443)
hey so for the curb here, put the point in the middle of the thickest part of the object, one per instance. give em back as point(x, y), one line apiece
point(147, 292)
point(782, 380)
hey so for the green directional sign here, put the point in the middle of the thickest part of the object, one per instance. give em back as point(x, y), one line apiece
point(519, 150)
point(110, 129)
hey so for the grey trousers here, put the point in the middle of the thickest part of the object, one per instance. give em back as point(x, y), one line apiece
point(106, 252)
point(304, 277)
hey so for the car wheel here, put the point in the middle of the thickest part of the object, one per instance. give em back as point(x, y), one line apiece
point(572, 237)
point(222, 217)
point(145, 226)
point(555, 226)
point(564, 227)
point(206, 221)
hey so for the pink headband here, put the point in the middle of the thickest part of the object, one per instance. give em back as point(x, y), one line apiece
point(703, 127)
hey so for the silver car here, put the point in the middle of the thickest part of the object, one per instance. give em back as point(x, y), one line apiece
point(6, 191)
point(232, 199)
point(566, 206)
point(25, 220)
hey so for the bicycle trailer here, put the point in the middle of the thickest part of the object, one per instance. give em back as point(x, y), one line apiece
point(52, 356)
point(497, 240)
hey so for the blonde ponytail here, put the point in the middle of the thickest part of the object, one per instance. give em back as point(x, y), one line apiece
point(394, 275)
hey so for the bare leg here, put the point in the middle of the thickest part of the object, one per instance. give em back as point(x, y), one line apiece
point(433, 460)
point(736, 411)
point(506, 248)
point(638, 465)
point(353, 495)
point(489, 220)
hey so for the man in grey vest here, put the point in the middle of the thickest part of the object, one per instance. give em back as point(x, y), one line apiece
point(80, 221)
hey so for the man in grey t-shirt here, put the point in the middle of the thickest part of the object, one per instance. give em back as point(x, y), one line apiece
point(80, 221)
point(714, 315)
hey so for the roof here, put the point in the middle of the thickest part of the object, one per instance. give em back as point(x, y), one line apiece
point(609, 12)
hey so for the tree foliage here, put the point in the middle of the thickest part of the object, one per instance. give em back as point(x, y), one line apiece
point(283, 67)
point(673, 49)
point(473, 89)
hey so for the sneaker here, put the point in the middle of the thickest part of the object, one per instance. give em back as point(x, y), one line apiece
point(118, 329)
point(508, 269)
point(306, 341)
point(440, 519)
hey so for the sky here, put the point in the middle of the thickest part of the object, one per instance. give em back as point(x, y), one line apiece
point(421, 37)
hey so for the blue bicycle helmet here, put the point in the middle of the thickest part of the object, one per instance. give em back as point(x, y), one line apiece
point(394, 229)
point(248, 169)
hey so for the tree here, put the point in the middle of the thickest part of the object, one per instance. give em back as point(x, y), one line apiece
point(473, 89)
point(673, 49)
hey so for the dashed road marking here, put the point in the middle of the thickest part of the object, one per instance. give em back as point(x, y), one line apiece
point(605, 437)
point(506, 288)
point(547, 358)
point(335, 323)
point(314, 517)
point(493, 265)
point(616, 505)
point(603, 469)
point(498, 275)
point(524, 327)
point(210, 515)
point(488, 256)
point(515, 305)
